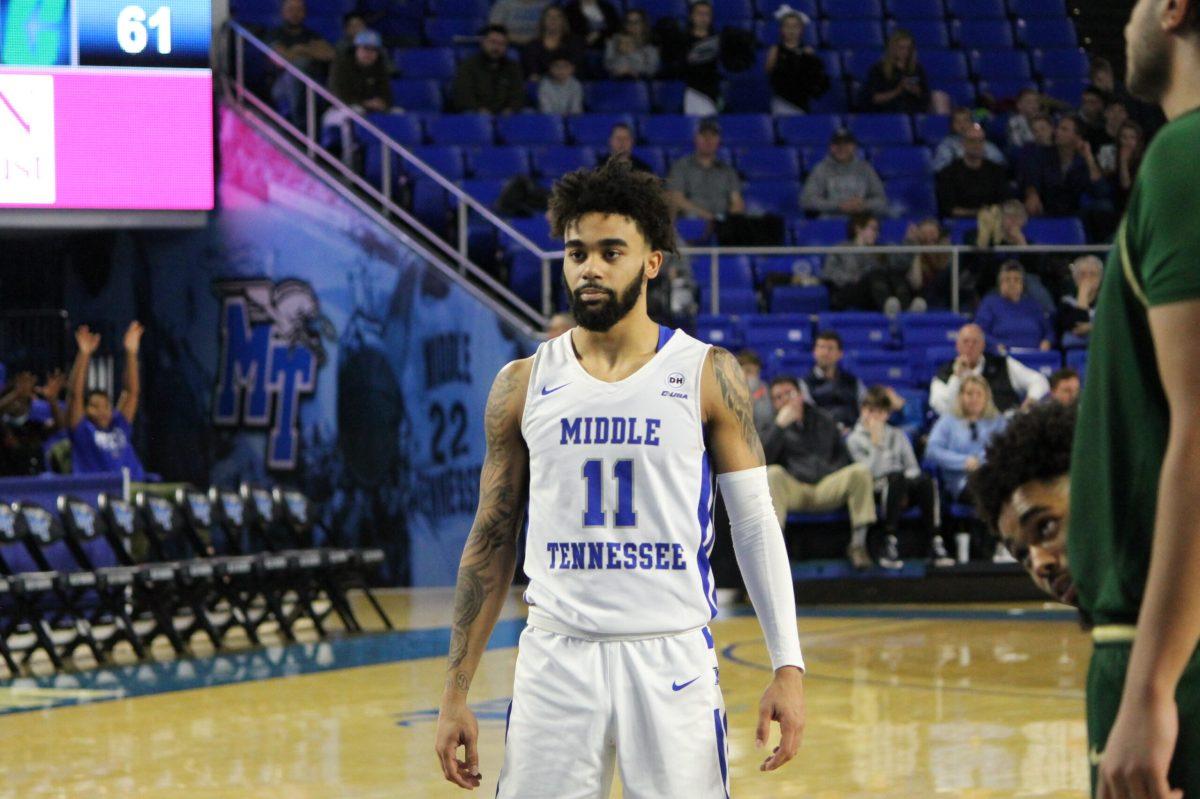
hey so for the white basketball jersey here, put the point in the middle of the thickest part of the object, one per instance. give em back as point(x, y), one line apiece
point(620, 494)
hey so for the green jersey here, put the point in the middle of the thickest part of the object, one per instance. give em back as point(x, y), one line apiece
point(1123, 419)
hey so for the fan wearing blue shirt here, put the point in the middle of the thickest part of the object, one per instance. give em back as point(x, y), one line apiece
point(1011, 316)
point(101, 438)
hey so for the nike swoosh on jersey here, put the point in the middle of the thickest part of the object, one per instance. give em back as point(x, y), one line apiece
point(546, 390)
point(677, 687)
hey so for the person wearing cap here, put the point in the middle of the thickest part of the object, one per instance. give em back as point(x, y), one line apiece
point(796, 74)
point(843, 183)
point(361, 78)
point(701, 185)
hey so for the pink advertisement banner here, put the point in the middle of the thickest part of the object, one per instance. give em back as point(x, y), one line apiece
point(128, 140)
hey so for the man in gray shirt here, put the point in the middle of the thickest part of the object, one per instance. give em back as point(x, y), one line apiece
point(702, 186)
point(843, 183)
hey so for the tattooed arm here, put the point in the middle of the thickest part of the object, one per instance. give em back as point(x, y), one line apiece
point(485, 571)
point(729, 414)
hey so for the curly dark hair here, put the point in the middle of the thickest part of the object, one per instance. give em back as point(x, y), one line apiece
point(614, 188)
point(1036, 445)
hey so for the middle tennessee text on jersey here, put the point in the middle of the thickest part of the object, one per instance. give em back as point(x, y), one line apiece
point(620, 494)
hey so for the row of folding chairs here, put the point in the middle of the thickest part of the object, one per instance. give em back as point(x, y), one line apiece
point(92, 576)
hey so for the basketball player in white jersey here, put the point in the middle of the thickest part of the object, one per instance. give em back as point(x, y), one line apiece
point(612, 433)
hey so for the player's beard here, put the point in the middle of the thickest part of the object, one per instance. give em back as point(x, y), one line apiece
point(1149, 55)
point(600, 317)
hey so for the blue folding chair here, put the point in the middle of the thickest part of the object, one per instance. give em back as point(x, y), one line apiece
point(654, 157)
point(808, 129)
point(731, 301)
point(799, 299)
point(945, 64)
point(694, 232)
point(912, 197)
point(446, 160)
point(916, 9)
point(655, 9)
point(787, 265)
point(668, 129)
point(877, 129)
point(503, 161)
point(1069, 63)
point(458, 8)
point(1078, 360)
point(738, 13)
point(666, 96)
point(595, 129)
point(772, 196)
point(559, 159)
point(417, 94)
point(792, 330)
point(1047, 34)
point(927, 33)
point(1001, 65)
point(852, 9)
point(932, 128)
point(857, 63)
point(530, 129)
point(485, 190)
point(982, 34)
point(616, 96)
point(977, 9)
point(820, 232)
point(720, 330)
point(846, 34)
point(747, 129)
point(736, 271)
point(1050, 230)
point(744, 94)
point(445, 31)
point(768, 163)
point(404, 129)
point(902, 161)
point(462, 130)
point(436, 63)
point(1068, 90)
point(1037, 9)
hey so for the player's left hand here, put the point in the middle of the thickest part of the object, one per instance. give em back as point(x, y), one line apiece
point(783, 701)
point(1138, 752)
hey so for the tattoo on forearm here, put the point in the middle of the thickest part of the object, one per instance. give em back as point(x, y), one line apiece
point(736, 397)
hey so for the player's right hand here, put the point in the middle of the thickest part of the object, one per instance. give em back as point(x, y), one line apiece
point(457, 727)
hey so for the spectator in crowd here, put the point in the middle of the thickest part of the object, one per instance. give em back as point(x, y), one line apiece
point(29, 417)
point(1064, 386)
point(796, 75)
point(353, 23)
point(899, 481)
point(760, 393)
point(702, 73)
point(897, 82)
point(1092, 105)
point(594, 20)
point(519, 18)
point(843, 183)
point(1078, 309)
point(1148, 115)
point(1012, 318)
point(559, 323)
point(559, 92)
point(1025, 160)
point(489, 81)
point(101, 438)
point(929, 272)
point(620, 146)
point(305, 50)
point(830, 387)
point(1009, 380)
point(629, 54)
point(701, 185)
point(1062, 175)
point(810, 469)
point(1020, 124)
point(1004, 226)
point(555, 39)
point(971, 182)
point(360, 78)
point(1115, 115)
point(861, 280)
point(1043, 130)
point(962, 125)
point(958, 439)
point(1120, 161)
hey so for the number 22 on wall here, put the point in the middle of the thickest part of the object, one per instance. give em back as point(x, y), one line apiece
point(594, 514)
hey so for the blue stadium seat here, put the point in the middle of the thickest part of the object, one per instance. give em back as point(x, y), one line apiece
point(944, 64)
point(458, 8)
point(1069, 90)
point(616, 96)
point(811, 156)
point(767, 8)
point(737, 13)
point(1045, 34)
point(1077, 360)
point(1000, 90)
point(891, 231)
point(919, 331)
point(654, 158)
point(1034, 9)
point(857, 63)
point(894, 373)
point(916, 9)
point(1001, 65)
point(444, 31)
point(498, 162)
point(404, 129)
point(767, 163)
point(425, 62)
point(1045, 362)
point(595, 128)
point(845, 34)
point(767, 32)
point(961, 92)
point(912, 197)
point(789, 330)
point(807, 129)
point(676, 9)
point(834, 101)
point(1048, 230)
point(790, 265)
point(417, 95)
point(460, 129)
point(982, 34)
point(977, 9)
point(530, 129)
point(668, 129)
point(746, 94)
point(486, 190)
point(720, 330)
point(534, 228)
point(732, 301)
point(772, 196)
point(858, 329)
point(932, 128)
point(901, 161)
point(447, 160)
point(820, 232)
point(558, 159)
point(852, 9)
point(927, 33)
point(873, 129)
point(833, 63)
point(666, 96)
point(799, 299)
point(790, 365)
point(1070, 63)
point(959, 228)
point(736, 271)
point(747, 129)
point(429, 203)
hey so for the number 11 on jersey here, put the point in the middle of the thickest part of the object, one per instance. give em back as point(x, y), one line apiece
point(594, 514)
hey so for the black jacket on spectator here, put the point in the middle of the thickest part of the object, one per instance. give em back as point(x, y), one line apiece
point(1061, 192)
point(483, 85)
point(995, 372)
point(810, 450)
point(580, 25)
point(798, 77)
point(959, 186)
point(904, 103)
point(702, 71)
point(354, 84)
point(837, 396)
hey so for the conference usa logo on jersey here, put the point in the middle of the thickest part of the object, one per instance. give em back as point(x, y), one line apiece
point(271, 350)
point(675, 381)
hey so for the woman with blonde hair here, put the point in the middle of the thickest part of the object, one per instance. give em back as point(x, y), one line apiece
point(958, 439)
point(897, 82)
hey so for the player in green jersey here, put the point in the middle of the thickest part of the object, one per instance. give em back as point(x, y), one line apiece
point(1134, 542)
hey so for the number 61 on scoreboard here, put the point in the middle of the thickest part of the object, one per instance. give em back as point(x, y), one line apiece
point(144, 33)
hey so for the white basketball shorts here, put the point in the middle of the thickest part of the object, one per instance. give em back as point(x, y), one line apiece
point(580, 707)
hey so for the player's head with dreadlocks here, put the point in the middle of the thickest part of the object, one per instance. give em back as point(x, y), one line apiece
point(1022, 491)
point(616, 226)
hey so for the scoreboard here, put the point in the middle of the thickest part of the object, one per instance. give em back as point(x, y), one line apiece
point(106, 105)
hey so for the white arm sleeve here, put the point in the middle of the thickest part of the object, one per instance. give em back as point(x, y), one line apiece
point(762, 558)
point(942, 394)
point(1029, 383)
